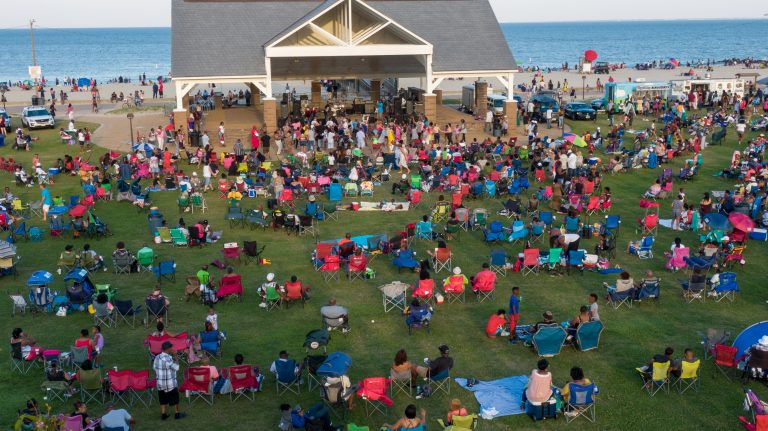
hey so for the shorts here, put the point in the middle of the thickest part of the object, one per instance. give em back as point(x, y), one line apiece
point(170, 398)
point(46, 207)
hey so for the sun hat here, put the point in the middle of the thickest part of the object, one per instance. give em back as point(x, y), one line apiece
point(270, 276)
point(456, 271)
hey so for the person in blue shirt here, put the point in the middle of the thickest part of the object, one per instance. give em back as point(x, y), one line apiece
point(514, 313)
point(45, 200)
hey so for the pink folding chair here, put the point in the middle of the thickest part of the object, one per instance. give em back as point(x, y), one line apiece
point(374, 391)
point(230, 286)
point(677, 261)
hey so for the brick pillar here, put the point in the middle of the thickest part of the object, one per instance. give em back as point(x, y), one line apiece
point(317, 94)
point(270, 114)
point(180, 117)
point(439, 94)
point(430, 106)
point(375, 90)
point(481, 98)
point(510, 111)
point(217, 102)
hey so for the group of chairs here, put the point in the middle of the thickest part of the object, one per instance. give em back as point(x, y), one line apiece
point(549, 339)
point(659, 378)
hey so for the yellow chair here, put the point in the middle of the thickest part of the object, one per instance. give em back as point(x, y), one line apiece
point(460, 423)
point(689, 376)
point(20, 208)
point(658, 380)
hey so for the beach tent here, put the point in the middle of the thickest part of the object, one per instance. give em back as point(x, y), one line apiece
point(83, 82)
point(749, 336)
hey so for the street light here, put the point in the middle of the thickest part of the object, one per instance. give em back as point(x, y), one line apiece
point(583, 85)
point(130, 120)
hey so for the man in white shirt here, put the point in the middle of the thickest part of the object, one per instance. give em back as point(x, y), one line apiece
point(572, 159)
point(360, 138)
point(549, 118)
point(489, 121)
point(117, 419)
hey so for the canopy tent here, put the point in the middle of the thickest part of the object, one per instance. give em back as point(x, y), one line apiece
point(748, 337)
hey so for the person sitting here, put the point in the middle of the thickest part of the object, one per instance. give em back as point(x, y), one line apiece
point(696, 283)
point(90, 259)
point(56, 374)
point(121, 254)
point(577, 378)
point(498, 325)
point(435, 367)
point(405, 258)
point(402, 186)
point(157, 303)
point(539, 387)
point(85, 341)
point(239, 360)
point(401, 365)
point(454, 409)
point(295, 290)
point(82, 410)
point(526, 332)
point(318, 416)
point(269, 284)
point(659, 358)
point(67, 258)
point(650, 281)
point(335, 316)
point(117, 419)
point(578, 320)
point(623, 285)
point(653, 191)
point(689, 358)
point(418, 314)
point(311, 208)
point(456, 283)
point(485, 280)
point(409, 422)
point(283, 362)
point(160, 331)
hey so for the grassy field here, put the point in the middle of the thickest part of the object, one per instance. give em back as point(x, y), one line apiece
point(630, 338)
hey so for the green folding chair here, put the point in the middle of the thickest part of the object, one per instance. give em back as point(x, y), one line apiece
point(178, 239)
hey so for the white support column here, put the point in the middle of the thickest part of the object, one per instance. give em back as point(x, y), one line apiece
point(428, 61)
point(179, 95)
point(510, 86)
point(268, 81)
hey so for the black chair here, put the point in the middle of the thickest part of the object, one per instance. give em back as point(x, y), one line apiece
point(252, 251)
point(156, 308)
point(127, 312)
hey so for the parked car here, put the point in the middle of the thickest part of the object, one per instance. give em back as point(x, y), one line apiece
point(601, 67)
point(36, 117)
point(542, 104)
point(579, 111)
point(598, 104)
point(7, 117)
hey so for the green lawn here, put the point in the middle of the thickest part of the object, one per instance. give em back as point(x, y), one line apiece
point(630, 338)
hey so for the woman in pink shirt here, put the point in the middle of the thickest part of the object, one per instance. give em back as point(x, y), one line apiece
point(539, 387)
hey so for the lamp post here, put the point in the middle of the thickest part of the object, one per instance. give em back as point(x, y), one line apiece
point(130, 121)
point(583, 85)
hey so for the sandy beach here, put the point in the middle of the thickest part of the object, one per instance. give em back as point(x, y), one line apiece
point(17, 97)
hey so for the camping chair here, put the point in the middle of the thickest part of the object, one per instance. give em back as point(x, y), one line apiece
point(197, 384)
point(235, 216)
point(537, 232)
point(462, 215)
point(581, 402)
point(726, 357)
point(650, 290)
point(442, 259)
point(612, 225)
point(357, 266)
point(677, 261)
point(252, 252)
point(518, 232)
point(530, 261)
point(394, 296)
point(441, 212)
point(454, 290)
point(572, 224)
point(351, 189)
point(58, 390)
point(231, 287)
point(18, 363)
point(120, 386)
point(479, 218)
point(425, 290)
point(19, 304)
point(68, 262)
point(273, 299)
point(255, 218)
point(197, 201)
point(307, 225)
point(693, 291)
point(330, 268)
point(689, 376)
point(726, 287)
point(330, 211)
point(122, 264)
point(78, 355)
point(617, 299)
point(554, 258)
point(588, 335)
point(400, 382)
point(166, 235)
point(424, 230)
point(231, 252)
point(178, 238)
point(156, 309)
point(495, 232)
point(91, 386)
point(649, 224)
point(548, 340)
point(373, 390)
point(166, 269)
point(244, 383)
point(593, 206)
point(145, 258)
point(440, 381)
point(141, 387)
point(645, 250)
point(102, 315)
point(126, 312)
point(210, 343)
point(657, 380)
point(498, 262)
point(576, 260)
point(286, 378)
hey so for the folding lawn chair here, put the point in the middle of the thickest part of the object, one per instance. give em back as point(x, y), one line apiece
point(725, 288)
point(581, 402)
point(400, 382)
point(197, 384)
point(166, 235)
point(442, 259)
point(726, 357)
point(156, 309)
point(19, 364)
point(142, 387)
point(373, 391)
point(78, 355)
point(576, 260)
point(307, 226)
point(273, 299)
point(197, 201)
point(286, 378)
point(252, 252)
point(122, 263)
point(178, 238)
point(548, 340)
point(617, 299)
point(125, 311)
point(612, 225)
point(588, 335)
point(120, 386)
point(518, 232)
point(330, 268)
point(689, 376)
point(91, 386)
point(440, 382)
point(244, 383)
point(330, 211)
point(357, 266)
point(19, 304)
point(498, 262)
point(479, 218)
point(145, 258)
point(657, 380)
point(530, 261)
point(553, 261)
point(231, 253)
point(394, 296)
point(166, 269)
point(102, 315)
point(57, 390)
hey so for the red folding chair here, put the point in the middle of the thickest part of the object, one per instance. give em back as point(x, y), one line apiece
point(322, 251)
point(197, 384)
point(120, 386)
point(357, 266)
point(244, 383)
point(530, 261)
point(374, 391)
point(425, 291)
point(142, 387)
point(231, 252)
point(230, 286)
point(456, 200)
point(330, 268)
point(725, 357)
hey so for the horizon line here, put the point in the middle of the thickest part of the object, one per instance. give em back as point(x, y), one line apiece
point(759, 18)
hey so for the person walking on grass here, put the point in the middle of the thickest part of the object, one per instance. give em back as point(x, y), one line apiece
point(45, 200)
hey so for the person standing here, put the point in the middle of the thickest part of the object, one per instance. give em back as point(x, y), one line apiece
point(166, 364)
point(514, 313)
point(45, 200)
point(154, 90)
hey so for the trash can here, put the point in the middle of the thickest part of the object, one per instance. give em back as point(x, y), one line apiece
point(194, 138)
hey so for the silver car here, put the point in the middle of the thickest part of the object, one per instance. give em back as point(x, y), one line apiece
point(36, 117)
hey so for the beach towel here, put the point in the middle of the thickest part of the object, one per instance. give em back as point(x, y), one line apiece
point(607, 271)
point(497, 398)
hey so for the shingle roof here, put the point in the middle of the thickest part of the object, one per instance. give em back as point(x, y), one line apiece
point(227, 38)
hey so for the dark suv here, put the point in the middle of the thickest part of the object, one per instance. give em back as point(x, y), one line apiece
point(601, 67)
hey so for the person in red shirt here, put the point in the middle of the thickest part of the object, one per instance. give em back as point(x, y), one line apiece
point(295, 290)
point(255, 140)
point(485, 280)
point(497, 325)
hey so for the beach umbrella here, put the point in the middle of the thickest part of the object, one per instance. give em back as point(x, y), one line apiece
point(717, 221)
point(741, 222)
point(143, 147)
point(7, 249)
point(674, 62)
point(590, 55)
point(83, 82)
point(576, 140)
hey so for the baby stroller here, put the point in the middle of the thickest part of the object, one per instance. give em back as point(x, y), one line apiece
point(80, 292)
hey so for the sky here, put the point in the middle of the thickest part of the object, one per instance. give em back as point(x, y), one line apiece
point(157, 13)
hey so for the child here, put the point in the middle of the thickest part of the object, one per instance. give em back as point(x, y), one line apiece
point(98, 345)
point(213, 318)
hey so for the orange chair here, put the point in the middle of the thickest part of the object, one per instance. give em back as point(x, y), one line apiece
point(530, 261)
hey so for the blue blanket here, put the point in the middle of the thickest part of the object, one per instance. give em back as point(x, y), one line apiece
point(501, 397)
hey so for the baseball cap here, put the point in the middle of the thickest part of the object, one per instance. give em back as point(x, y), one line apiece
point(444, 349)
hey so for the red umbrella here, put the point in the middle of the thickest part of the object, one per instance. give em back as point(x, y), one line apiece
point(590, 55)
point(741, 222)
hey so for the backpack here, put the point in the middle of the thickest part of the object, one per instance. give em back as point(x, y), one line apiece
point(423, 391)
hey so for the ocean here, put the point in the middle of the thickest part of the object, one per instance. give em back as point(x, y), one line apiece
point(108, 53)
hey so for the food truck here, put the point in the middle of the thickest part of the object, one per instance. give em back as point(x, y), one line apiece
point(682, 87)
point(619, 92)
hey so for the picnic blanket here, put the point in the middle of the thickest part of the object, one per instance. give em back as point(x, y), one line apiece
point(386, 207)
point(497, 398)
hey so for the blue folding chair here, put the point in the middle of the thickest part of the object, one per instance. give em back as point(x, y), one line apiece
point(572, 224)
point(165, 270)
point(576, 260)
point(726, 288)
point(286, 378)
point(549, 339)
point(588, 335)
point(518, 232)
point(495, 232)
point(537, 232)
point(20, 231)
point(581, 402)
point(498, 262)
point(490, 189)
point(335, 192)
point(424, 230)
point(612, 224)
point(649, 290)
point(210, 342)
point(645, 249)
point(547, 217)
